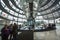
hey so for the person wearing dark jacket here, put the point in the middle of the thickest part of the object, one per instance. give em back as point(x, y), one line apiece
point(5, 32)
point(14, 30)
point(10, 27)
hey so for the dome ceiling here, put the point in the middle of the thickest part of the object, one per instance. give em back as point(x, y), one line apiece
point(48, 9)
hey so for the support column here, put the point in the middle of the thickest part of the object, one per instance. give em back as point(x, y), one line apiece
point(31, 19)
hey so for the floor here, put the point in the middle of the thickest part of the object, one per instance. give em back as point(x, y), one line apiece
point(48, 35)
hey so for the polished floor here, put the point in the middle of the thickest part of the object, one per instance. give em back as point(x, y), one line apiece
point(45, 35)
point(48, 35)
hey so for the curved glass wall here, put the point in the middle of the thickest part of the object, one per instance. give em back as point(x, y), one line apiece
point(18, 12)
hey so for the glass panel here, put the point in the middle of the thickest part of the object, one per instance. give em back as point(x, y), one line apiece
point(4, 14)
point(12, 12)
point(39, 17)
point(0, 12)
point(56, 14)
point(10, 17)
point(15, 19)
point(16, 14)
point(45, 16)
point(50, 15)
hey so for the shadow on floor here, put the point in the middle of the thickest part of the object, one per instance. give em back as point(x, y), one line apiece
point(26, 35)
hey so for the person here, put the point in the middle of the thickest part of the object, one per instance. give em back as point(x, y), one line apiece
point(45, 26)
point(19, 27)
point(10, 28)
point(53, 26)
point(5, 32)
point(49, 25)
point(14, 30)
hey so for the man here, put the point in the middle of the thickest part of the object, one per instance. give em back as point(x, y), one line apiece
point(14, 30)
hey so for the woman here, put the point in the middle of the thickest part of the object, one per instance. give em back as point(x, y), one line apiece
point(10, 28)
point(5, 32)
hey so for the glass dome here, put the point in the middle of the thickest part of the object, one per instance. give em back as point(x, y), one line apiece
point(18, 10)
